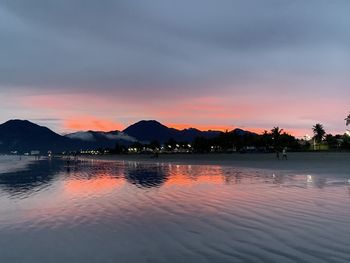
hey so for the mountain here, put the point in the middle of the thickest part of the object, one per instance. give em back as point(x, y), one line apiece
point(151, 130)
point(241, 132)
point(24, 136)
point(99, 139)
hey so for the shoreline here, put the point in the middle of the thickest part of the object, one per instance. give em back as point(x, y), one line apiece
point(14, 163)
point(319, 163)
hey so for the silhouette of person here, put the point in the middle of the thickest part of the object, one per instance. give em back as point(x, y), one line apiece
point(284, 154)
point(277, 154)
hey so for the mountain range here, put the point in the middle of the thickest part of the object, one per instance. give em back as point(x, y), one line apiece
point(24, 136)
point(148, 131)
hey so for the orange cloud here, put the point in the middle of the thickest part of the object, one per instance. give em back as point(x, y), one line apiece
point(91, 123)
point(181, 126)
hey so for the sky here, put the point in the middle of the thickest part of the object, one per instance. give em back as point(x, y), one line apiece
point(77, 65)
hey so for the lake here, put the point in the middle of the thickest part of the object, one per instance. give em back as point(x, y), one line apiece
point(115, 211)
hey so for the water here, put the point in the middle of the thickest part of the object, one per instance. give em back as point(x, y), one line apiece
point(12, 163)
point(131, 212)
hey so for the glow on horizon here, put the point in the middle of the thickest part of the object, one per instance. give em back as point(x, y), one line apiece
point(66, 113)
point(84, 123)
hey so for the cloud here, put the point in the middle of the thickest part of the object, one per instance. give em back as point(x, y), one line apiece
point(162, 45)
point(84, 136)
point(89, 136)
point(82, 123)
point(128, 60)
point(120, 136)
point(46, 119)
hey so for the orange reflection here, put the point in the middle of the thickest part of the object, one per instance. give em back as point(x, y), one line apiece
point(94, 186)
point(181, 126)
point(189, 175)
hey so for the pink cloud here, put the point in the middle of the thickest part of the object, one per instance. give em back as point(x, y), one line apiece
point(83, 123)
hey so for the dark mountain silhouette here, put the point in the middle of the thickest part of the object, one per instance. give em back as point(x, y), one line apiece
point(241, 132)
point(99, 139)
point(24, 136)
point(151, 130)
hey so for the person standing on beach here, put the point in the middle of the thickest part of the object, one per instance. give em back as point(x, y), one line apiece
point(277, 154)
point(284, 154)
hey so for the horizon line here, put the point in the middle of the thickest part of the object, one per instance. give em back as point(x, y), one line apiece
point(177, 126)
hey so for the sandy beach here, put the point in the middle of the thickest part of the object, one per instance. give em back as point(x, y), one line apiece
point(320, 163)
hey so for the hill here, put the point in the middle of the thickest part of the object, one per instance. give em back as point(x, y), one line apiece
point(24, 136)
point(151, 130)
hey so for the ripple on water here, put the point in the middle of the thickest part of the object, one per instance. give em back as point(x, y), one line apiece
point(173, 213)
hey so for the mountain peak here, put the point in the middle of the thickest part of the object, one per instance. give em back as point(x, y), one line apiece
point(152, 130)
point(23, 136)
point(21, 124)
point(17, 122)
point(148, 123)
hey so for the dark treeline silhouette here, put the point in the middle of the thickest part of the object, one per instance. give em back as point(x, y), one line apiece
point(227, 142)
point(248, 142)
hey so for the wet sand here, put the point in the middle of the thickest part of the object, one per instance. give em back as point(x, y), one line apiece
point(12, 163)
point(153, 210)
point(320, 163)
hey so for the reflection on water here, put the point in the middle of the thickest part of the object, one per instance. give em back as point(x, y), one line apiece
point(97, 211)
point(152, 176)
point(36, 176)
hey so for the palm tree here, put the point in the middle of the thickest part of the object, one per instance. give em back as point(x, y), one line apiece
point(347, 119)
point(276, 133)
point(319, 132)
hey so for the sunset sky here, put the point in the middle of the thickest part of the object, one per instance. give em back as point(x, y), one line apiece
point(85, 64)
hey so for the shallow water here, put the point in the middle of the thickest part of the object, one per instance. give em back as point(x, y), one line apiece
point(101, 211)
point(10, 163)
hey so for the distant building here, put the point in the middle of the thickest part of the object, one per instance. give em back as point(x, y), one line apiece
point(34, 152)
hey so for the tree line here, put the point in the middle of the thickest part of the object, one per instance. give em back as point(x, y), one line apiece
point(232, 141)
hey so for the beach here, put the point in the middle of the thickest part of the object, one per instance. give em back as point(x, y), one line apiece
point(309, 162)
point(177, 208)
point(13, 163)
